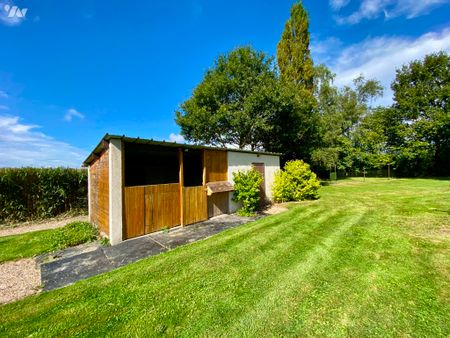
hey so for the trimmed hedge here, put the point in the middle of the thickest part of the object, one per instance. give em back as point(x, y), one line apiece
point(36, 193)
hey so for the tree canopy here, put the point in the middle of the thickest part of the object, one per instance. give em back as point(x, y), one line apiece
point(341, 111)
point(242, 102)
point(225, 108)
point(419, 121)
point(248, 101)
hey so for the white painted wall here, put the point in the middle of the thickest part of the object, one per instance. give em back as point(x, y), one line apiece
point(115, 191)
point(243, 161)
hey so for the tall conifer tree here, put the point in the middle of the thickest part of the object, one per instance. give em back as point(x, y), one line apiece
point(293, 54)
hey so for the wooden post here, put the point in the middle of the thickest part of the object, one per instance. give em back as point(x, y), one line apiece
point(181, 183)
point(389, 171)
point(204, 168)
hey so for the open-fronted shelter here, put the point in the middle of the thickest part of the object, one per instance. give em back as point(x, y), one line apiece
point(138, 186)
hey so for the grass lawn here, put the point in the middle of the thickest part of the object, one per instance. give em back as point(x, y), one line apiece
point(367, 259)
point(37, 242)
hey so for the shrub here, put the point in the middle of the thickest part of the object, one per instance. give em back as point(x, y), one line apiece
point(33, 193)
point(73, 234)
point(295, 183)
point(246, 190)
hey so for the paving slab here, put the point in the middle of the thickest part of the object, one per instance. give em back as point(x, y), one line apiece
point(69, 252)
point(71, 265)
point(69, 270)
point(132, 250)
point(195, 232)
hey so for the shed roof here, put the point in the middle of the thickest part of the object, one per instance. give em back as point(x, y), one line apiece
point(104, 143)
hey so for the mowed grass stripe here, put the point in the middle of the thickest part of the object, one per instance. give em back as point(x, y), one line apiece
point(289, 288)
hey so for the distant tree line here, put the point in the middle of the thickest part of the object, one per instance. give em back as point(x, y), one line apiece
point(250, 100)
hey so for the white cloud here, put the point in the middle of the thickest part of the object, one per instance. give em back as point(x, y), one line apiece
point(379, 57)
point(372, 9)
point(11, 14)
point(176, 138)
point(21, 145)
point(324, 50)
point(3, 94)
point(3, 107)
point(338, 4)
point(71, 113)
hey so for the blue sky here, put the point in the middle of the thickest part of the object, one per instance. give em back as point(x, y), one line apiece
point(70, 71)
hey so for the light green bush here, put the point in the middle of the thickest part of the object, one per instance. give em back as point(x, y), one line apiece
point(295, 183)
point(246, 190)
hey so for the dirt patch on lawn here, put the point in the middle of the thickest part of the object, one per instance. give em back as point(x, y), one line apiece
point(275, 209)
point(53, 223)
point(19, 279)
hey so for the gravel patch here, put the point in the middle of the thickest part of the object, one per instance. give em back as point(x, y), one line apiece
point(19, 279)
point(44, 225)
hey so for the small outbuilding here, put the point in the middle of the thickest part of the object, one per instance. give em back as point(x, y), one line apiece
point(138, 186)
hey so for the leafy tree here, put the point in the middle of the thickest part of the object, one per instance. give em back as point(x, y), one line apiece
point(370, 141)
point(242, 102)
point(292, 120)
point(225, 108)
point(341, 111)
point(420, 120)
point(293, 54)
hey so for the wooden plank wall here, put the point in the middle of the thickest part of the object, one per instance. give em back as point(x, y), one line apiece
point(162, 207)
point(195, 206)
point(216, 169)
point(216, 165)
point(134, 212)
point(99, 192)
point(218, 204)
point(150, 208)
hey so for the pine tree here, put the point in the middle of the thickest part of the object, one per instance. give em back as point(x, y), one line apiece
point(293, 54)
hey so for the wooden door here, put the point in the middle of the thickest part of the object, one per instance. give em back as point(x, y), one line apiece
point(194, 203)
point(162, 207)
point(134, 212)
point(150, 208)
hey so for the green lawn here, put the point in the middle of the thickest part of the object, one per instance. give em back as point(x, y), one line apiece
point(37, 242)
point(367, 259)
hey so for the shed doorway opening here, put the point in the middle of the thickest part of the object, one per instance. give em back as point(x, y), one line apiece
point(150, 164)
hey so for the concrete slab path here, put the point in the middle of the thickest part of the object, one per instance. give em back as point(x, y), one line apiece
point(72, 265)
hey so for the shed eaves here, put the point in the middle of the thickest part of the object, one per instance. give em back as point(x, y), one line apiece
point(103, 144)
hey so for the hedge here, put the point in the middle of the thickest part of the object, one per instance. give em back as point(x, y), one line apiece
point(36, 193)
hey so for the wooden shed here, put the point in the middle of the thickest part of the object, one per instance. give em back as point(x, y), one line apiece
point(138, 186)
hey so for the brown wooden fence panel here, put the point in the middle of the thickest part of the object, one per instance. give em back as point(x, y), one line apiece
point(162, 207)
point(195, 205)
point(134, 212)
point(216, 165)
point(150, 208)
point(154, 207)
